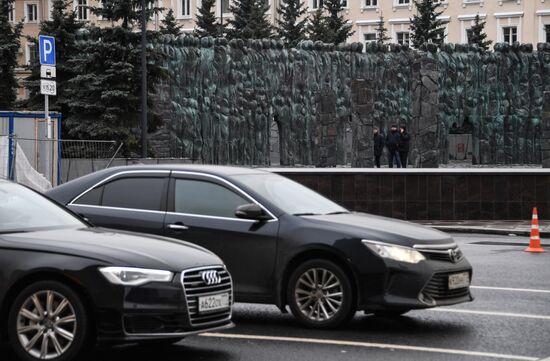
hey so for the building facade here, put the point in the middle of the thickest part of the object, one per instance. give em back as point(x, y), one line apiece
point(526, 21)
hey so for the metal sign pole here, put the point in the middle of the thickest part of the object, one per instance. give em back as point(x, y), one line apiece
point(47, 117)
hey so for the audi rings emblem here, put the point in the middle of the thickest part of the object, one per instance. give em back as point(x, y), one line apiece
point(211, 277)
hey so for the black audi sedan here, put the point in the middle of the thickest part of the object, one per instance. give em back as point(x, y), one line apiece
point(283, 243)
point(65, 284)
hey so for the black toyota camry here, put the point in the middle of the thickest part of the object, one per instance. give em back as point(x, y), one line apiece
point(282, 242)
point(65, 284)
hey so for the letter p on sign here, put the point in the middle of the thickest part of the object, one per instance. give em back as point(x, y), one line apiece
point(46, 49)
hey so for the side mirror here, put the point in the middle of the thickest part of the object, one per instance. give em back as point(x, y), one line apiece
point(250, 211)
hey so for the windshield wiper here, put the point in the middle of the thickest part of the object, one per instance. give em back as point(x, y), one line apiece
point(339, 212)
point(306, 214)
point(14, 231)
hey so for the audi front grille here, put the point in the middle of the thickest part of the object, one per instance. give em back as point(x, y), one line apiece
point(194, 286)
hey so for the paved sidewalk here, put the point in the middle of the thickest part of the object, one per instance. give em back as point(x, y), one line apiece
point(520, 228)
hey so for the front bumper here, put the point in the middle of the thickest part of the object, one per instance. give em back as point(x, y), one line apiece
point(160, 310)
point(412, 286)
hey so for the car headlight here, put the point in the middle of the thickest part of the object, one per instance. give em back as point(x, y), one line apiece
point(396, 253)
point(129, 276)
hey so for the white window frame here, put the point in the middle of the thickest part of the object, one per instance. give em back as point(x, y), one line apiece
point(370, 4)
point(85, 10)
point(11, 13)
point(346, 6)
point(402, 3)
point(543, 20)
point(408, 32)
point(37, 5)
point(180, 8)
point(510, 29)
point(313, 2)
point(28, 51)
point(466, 22)
point(509, 19)
point(399, 26)
point(365, 41)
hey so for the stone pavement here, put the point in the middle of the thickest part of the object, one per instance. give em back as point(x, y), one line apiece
point(522, 228)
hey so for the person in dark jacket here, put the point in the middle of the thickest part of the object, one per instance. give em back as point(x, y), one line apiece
point(378, 146)
point(392, 142)
point(405, 139)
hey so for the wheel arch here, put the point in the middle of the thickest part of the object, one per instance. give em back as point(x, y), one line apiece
point(49, 275)
point(319, 252)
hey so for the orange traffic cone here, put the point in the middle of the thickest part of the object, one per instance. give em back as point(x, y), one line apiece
point(534, 244)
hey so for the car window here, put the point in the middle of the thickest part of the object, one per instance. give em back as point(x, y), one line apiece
point(92, 198)
point(291, 197)
point(135, 193)
point(205, 198)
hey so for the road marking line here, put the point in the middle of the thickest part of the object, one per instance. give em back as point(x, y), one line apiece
point(491, 313)
point(511, 289)
point(369, 345)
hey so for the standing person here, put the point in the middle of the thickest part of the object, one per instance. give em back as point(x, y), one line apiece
point(405, 139)
point(378, 146)
point(392, 142)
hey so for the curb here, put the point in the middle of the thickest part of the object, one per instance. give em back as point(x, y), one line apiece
point(484, 230)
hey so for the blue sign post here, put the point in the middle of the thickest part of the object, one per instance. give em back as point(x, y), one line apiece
point(47, 50)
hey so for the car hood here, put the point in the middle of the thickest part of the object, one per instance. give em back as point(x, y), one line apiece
point(383, 229)
point(119, 248)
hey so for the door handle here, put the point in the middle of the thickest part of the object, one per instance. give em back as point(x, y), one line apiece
point(177, 226)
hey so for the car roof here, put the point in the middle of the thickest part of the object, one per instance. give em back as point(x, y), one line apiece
point(222, 170)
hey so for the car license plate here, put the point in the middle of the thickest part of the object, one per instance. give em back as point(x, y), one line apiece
point(459, 280)
point(213, 302)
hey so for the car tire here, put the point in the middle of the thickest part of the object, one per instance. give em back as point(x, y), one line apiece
point(52, 317)
point(320, 294)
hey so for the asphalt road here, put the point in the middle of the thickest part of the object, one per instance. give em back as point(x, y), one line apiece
point(509, 320)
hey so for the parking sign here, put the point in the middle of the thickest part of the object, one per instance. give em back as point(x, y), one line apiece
point(47, 50)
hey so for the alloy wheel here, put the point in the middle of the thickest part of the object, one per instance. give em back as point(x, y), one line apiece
point(319, 294)
point(46, 324)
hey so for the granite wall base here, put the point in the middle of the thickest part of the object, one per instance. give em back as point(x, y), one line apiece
point(435, 196)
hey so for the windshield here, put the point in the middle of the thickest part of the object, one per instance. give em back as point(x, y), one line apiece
point(289, 196)
point(23, 210)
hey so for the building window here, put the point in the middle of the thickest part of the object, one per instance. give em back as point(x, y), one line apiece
point(344, 3)
point(81, 9)
point(510, 34)
point(11, 13)
point(31, 54)
point(371, 3)
point(369, 37)
point(402, 2)
point(469, 33)
point(403, 37)
point(186, 8)
point(316, 4)
point(547, 32)
point(31, 13)
point(225, 6)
